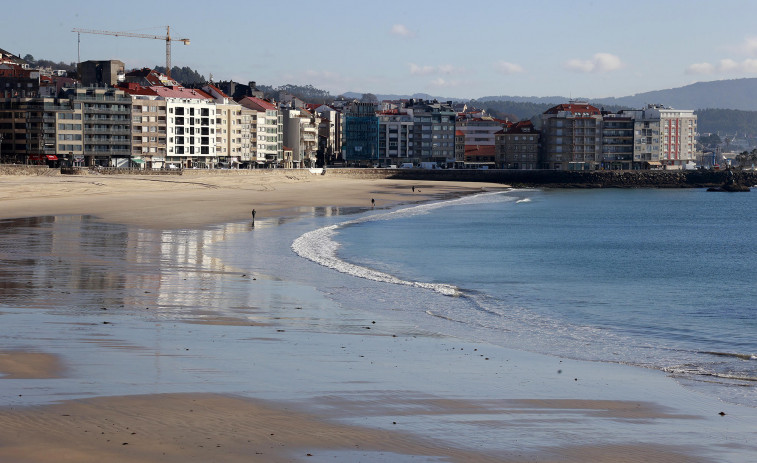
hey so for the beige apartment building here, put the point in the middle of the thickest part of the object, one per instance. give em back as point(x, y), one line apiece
point(517, 147)
point(571, 137)
point(149, 129)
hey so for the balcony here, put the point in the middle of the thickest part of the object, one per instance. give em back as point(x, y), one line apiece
point(109, 131)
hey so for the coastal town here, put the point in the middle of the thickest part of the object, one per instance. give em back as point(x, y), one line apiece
point(107, 116)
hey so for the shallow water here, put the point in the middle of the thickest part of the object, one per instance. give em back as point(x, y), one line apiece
point(232, 309)
point(663, 279)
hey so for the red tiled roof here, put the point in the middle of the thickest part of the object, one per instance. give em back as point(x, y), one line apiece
point(257, 104)
point(522, 127)
point(459, 133)
point(136, 89)
point(220, 92)
point(176, 91)
point(574, 108)
point(479, 150)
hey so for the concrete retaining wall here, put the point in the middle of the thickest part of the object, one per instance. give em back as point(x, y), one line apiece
point(20, 169)
point(546, 178)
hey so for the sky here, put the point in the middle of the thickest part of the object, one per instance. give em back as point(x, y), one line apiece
point(453, 49)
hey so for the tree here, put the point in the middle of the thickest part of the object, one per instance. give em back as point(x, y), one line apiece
point(368, 98)
point(29, 58)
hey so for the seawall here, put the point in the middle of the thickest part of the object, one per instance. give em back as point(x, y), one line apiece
point(562, 179)
point(525, 178)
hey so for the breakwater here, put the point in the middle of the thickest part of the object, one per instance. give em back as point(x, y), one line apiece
point(563, 179)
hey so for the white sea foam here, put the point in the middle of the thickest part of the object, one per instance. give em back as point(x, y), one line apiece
point(320, 247)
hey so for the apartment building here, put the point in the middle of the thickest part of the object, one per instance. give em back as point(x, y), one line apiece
point(617, 142)
point(149, 127)
point(233, 130)
point(329, 133)
point(664, 135)
point(270, 139)
point(107, 120)
point(480, 130)
point(301, 135)
point(361, 126)
point(28, 130)
point(479, 157)
point(433, 131)
point(17, 81)
point(101, 73)
point(578, 136)
point(571, 138)
point(459, 149)
point(190, 126)
point(395, 136)
point(517, 147)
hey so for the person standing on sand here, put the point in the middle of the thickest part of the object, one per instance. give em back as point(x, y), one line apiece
point(413, 188)
point(373, 202)
point(253, 217)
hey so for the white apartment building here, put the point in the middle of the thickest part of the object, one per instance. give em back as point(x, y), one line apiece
point(664, 136)
point(191, 127)
point(395, 138)
point(301, 136)
point(233, 127)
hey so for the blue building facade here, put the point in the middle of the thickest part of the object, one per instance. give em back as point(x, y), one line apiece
point(361, 134)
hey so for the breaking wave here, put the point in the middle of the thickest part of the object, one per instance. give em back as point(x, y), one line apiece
point(320, 247)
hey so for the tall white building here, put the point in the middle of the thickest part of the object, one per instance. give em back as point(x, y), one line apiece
point(191, 126)
point(234, 128)
point(664, 136)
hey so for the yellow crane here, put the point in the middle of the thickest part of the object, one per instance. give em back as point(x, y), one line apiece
point(167, 38)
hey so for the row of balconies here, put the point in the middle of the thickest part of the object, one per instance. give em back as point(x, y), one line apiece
point(138, 110)
point(103, 151)
point(116, 119)
point(113, 131)
point(104, 141)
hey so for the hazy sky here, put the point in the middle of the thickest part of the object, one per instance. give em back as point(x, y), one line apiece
point(463, 49)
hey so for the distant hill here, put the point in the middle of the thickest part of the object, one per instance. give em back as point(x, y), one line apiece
point(392, 97)
point(738, 94)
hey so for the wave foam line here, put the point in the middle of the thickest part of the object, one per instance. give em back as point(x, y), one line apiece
point(319, 246)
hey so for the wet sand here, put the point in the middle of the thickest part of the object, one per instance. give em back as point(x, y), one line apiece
point(114, 353)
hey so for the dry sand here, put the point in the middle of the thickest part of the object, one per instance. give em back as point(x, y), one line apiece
point(211, 427)
point(171, 202)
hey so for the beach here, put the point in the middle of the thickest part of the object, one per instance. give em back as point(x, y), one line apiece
point(152, 345)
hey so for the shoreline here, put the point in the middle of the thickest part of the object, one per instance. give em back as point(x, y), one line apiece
point(347, 422)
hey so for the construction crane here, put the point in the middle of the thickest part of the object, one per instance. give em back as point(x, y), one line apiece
point(167, 38)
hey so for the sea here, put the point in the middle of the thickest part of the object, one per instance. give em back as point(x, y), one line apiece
point(662, 279)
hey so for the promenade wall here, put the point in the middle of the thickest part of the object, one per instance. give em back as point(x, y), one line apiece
point(20, 169)
point(518, 178)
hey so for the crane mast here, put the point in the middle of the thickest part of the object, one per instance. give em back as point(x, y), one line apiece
point(167, 38)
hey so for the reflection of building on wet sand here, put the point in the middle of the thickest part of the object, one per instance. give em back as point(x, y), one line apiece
point(76, 263)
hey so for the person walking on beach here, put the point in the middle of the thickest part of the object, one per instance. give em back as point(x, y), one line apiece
point(413, 188)
point(253, 217)
point(373, 202)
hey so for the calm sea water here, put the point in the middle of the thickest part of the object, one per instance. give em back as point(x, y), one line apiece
point(663, 279)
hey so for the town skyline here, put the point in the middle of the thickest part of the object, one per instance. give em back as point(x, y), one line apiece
point(546, 48)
